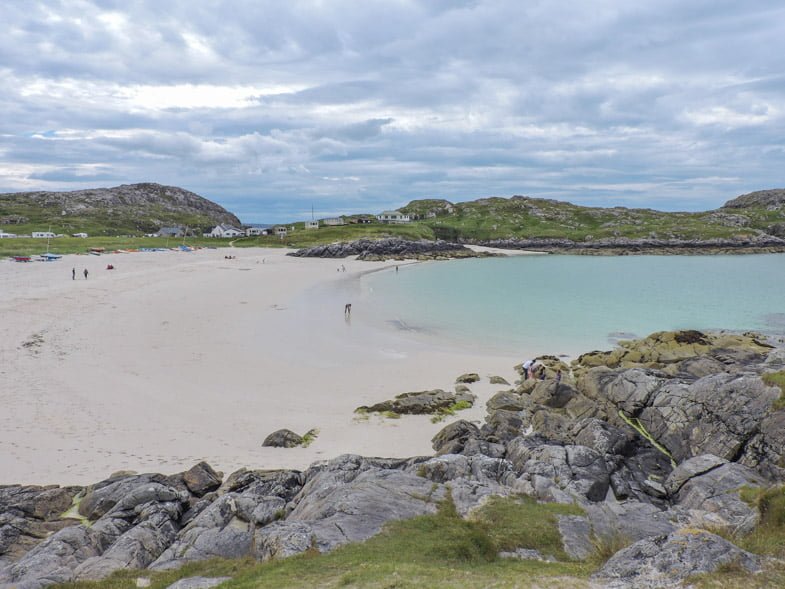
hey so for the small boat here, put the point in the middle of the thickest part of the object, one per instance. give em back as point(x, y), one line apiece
point(96, 251)
point(47, 257)
point(22, 259)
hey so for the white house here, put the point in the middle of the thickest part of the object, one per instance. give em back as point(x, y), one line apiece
point(393, 217)
point(4, 235)
point(254, 231)
point(226, 231)
point(83, 235)
point(332, 221)
point(281, 231)
point(312, 224)
point(43, 234)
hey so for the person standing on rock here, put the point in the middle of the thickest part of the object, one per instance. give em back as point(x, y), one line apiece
point(558, 377)
point(526, 367)
point(85, 273)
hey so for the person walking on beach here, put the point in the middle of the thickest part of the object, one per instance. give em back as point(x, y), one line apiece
point(73, 273)
point(85, 273)
point(347, 309)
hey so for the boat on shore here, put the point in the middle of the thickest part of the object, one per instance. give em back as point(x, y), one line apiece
point(22, 259)
point(47, 257)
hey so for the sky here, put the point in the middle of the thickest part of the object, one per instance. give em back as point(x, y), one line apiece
point(272, 108)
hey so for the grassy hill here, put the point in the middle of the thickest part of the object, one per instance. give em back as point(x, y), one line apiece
point(533, 218)
point(133, 209)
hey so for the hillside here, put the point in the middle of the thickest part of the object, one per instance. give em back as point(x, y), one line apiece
point(126, 209)
point(754, 216)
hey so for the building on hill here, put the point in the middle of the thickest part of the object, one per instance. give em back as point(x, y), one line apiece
point(43, 234)
point(332, 221)
point(225, 230)
point(4, 235)
point(312, 224)
point(80, 234)
point(280, 231)
point(254, 231)
point(393, 217)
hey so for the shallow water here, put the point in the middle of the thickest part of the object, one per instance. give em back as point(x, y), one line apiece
point(571, 304)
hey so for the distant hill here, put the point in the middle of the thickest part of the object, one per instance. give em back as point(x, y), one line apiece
point(751, 216)
point(130, 208)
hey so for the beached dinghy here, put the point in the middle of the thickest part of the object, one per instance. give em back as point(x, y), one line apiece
point(47, 257)
point(22, 259)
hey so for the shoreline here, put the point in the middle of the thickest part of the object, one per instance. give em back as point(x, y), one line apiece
point(178, 357)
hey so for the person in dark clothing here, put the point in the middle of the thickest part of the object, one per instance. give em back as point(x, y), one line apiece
point(85, 273)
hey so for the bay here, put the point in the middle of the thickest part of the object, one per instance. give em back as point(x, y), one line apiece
point(571, 304)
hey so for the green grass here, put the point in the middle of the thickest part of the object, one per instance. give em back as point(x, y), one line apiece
point(439, 551)
point(76, 245)
point(776, 379)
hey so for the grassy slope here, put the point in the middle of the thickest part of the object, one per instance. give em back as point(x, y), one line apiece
point(435, 551)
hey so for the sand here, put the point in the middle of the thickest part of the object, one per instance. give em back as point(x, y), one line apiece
point(176, 357)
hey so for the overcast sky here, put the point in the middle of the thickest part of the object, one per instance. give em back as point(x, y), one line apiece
point(272, 107)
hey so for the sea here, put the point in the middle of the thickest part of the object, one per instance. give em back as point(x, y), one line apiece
point(567, 305)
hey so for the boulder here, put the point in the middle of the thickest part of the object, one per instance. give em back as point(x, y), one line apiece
point(201, 479)
point(665, 561)
point(499, 380)
point(283, 438)
point(198, 582)
point(452, 438)
point(468, 378)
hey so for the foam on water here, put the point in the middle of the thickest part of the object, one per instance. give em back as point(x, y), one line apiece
point(571, 304)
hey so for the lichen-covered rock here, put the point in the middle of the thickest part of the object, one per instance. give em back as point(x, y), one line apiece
point(419, 403)
point(468, 378)
point(665, 561)
point(498, 380)
point(283, 438)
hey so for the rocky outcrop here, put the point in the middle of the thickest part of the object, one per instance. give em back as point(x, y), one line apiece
point(390, 249)
point(665, 561)
point(655, 442)
point(750, 242)
point(419, 403)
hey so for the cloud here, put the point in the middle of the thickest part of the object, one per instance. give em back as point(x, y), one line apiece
point(271, 107)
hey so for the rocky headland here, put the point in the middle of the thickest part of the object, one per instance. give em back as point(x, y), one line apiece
point(671, 450)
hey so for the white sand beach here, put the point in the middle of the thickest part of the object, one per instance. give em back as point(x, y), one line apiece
point(175, 357)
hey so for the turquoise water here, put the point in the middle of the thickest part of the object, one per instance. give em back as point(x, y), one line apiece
point(571, 304)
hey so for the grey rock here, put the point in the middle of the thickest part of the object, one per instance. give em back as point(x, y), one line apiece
point(453, 437)
point(713, 497)
point(665, 561)
point(690, 468)
point(342, 502)
point(280, 483)
point(553, 394)
point(508, 401)
point(468, 378)
point(198, 582)
point(218, 531)
point(55, 559)
point(103, 496)
point(283, 438)
point(576, 534)
point(527, 554)
point(499, 380)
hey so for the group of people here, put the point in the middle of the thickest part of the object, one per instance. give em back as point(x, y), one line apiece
point(73, 273)
point(534, 371)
